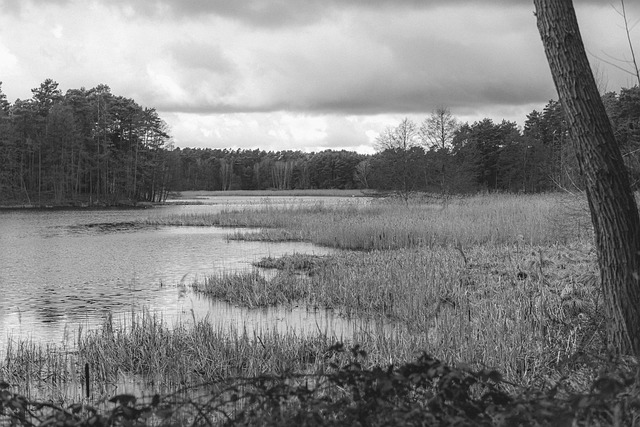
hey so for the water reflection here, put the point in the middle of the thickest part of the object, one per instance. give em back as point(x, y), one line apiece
point(283, 319)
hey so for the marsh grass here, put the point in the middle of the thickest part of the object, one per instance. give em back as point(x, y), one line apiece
point(251, 289)
point(309, 264)
point(499, 281)
point(186, 355)
point(525, 309)
point(268, 235)
point(144, 354)
point(39, 368)
point(380, 225)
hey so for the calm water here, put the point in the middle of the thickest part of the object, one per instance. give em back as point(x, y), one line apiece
point(61, 269)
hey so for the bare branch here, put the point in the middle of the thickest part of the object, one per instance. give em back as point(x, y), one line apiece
point(626, 26)
point(438, 129)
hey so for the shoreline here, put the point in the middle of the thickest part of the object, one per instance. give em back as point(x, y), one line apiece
point(76, 206)
point(177, 197)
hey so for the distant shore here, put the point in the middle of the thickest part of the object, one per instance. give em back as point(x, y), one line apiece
point(193, 194)
point(177, 196)
point(72, 205)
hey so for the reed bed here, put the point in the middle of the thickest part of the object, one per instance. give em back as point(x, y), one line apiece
point(252, 289)
point(38, 369)
point(185, 355)
point(500, 281)
point(382, 225)
point(144, 354)
point(521, 308)
point(295, 262)
point(189, 354)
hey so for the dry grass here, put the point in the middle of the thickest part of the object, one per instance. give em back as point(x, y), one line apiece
point(480, 220)
point(527, 310)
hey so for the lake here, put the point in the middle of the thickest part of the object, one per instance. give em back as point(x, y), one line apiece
point(62, 269)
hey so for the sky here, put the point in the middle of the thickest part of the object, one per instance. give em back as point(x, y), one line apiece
point(302, 75)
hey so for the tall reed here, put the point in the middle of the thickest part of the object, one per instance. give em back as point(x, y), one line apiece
point(479, 220)
point(519, 307)
point(144, 354)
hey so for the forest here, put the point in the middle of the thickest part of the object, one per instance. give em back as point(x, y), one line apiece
point(88, 146)
point(92, 147)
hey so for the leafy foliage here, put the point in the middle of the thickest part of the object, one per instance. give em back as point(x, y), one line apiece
point(84, 145)
point(424, 392)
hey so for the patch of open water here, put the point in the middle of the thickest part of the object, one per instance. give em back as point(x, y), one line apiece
point(63, 269)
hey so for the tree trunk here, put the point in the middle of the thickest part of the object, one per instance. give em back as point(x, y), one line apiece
point(614, 212)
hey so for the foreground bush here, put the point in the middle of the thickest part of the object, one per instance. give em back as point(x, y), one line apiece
point(424, 392)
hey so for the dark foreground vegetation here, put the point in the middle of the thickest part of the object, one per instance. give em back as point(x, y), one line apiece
point(424, 392)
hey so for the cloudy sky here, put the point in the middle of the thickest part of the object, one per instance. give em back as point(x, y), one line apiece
point(301, 74)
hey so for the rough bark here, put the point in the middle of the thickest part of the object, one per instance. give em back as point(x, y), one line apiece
point(614, 212)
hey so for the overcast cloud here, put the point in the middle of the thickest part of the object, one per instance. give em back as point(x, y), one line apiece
point(300, 74)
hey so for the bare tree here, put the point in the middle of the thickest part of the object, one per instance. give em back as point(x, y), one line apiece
point(632, 62)
point(438, 129)
point(436, 133)
point(614, 212)
point(402, 137)
point(623, 63)
point(397, 144)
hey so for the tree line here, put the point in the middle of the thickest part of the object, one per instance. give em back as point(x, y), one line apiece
point(95, 147)
point(438, 155)
point(224, 169)
point(443, 155)
point(86, 145)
